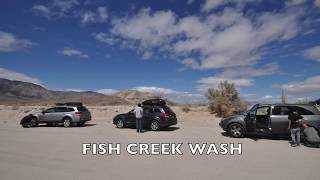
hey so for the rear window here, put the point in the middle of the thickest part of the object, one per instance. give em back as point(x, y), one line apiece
point(82, 108)
point(63, 109)
point(281, 110)
point(302, 111)
point(157, 110)
point(168, 110)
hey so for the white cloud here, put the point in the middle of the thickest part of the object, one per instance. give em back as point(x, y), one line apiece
point(226, 39)
point(306, 87)
point(100, 16)
point(290, 3)
point(12, 75)
point(214, 4)
point(107, 91)
point(42, 10)
point(254, 98)
point(214, 81)
point(73, 52)
point(176, 96)
point(313, 53)
point(104, 38)
point(317, 3)
point(56, 8)
point(9, 42)
point(147, 55)
point(189, 2)
point(267, 69)
point(241, 77)
point(88, 17)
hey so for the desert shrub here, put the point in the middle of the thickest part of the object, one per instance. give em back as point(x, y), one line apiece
point(225, 99)
point(15, 108)
point(185, 108)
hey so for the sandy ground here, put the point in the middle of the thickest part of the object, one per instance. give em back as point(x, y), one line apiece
point(56, 152)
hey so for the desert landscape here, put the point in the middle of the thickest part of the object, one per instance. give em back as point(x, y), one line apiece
point(56, 152)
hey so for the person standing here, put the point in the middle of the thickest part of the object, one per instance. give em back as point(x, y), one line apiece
point(138, 111)
point(295, 120)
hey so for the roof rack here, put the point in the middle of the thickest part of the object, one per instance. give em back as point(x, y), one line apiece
point(154, 102)
point(77, 104)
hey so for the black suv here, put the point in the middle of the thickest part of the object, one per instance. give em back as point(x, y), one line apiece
point(156, 114)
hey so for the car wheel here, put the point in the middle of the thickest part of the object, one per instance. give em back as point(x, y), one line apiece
point(236, 130)
point(120, 123)
point(154, 125)
point(32, 123)
point(67, 122)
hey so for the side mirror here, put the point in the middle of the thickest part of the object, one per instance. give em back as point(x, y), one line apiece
point(43, 112)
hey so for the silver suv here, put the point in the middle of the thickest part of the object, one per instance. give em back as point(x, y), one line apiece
point(66, 113)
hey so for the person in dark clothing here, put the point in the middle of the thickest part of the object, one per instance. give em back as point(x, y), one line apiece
point(138, 111)
point(295, 120)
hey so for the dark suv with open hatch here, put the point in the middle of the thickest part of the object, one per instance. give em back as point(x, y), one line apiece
point(156, 115)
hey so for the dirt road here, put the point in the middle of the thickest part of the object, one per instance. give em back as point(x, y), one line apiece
point(56, 152)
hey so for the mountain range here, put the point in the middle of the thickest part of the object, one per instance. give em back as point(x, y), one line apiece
point(25, 93)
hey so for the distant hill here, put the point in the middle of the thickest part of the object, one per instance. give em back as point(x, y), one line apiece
point(22, 93)
point(134, 96)
point(25, 93)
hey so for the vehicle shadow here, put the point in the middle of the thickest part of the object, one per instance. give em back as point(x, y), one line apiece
point(167, 129)
point(276, 138)
point(256, 137)
point(61, 125)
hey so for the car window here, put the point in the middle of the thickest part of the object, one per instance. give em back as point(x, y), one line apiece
point(302, 111)
point(157, 110)
point(50, 110)
point(147, 110)
point(281, 110)
point(82, 108)
point(61, 109)
point(70, 109)
point(263, 111)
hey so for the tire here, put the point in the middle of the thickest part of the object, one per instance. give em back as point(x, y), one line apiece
point(235, 130)
point(67, 122)
point(120, 123)
point(154, 125)
point(32, 123)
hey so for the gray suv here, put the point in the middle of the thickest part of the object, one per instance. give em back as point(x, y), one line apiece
point(66, 113)
point(269, 119)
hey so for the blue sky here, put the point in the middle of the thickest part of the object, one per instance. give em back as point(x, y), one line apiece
point(172, 47)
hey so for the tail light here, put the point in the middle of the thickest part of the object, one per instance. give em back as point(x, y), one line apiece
point(166, 115)
point(77, 113)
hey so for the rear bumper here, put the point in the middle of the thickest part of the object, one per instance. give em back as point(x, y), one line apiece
point(81, 119)
point(166, 123)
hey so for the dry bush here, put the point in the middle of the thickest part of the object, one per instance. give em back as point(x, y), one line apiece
point(185, 108)
point(225, 100)
point(15, 108)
